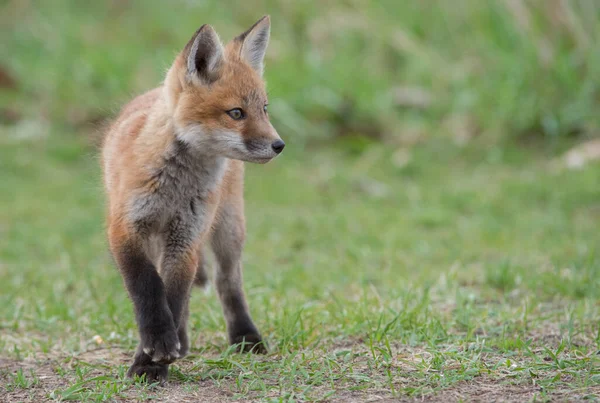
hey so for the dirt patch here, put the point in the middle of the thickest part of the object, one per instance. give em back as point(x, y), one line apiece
point(46, 378)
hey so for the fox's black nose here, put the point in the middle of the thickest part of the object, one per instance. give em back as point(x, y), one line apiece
point(278, 146)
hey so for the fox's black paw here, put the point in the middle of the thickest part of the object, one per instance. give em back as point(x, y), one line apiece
point(249, 343)
point(161, 346)
point(150, 371)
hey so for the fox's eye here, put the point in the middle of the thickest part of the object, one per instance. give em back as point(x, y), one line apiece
point(236, 113)
point(265, 108)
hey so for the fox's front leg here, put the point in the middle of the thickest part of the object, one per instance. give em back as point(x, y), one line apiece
point(227, 243)
point(159, 343)
point(178, 270)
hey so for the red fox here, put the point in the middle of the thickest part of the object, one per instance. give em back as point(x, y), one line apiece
point(173, 165)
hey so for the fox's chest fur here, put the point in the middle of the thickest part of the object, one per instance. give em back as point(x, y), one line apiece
point(183, 191)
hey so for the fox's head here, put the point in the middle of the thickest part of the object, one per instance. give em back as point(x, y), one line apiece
point(217, 95)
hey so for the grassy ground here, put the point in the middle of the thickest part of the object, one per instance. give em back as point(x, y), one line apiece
point(419, 268)
point(457, 273)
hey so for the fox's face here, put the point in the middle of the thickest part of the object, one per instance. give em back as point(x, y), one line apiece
point(218, 96)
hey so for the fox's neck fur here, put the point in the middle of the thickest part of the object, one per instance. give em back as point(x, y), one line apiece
point(161, 155)
point(164, 174)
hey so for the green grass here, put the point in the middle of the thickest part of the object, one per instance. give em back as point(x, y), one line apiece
point(429, 265)
point(475, 268)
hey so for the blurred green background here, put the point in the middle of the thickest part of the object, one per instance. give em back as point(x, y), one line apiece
point(402, 71)
point(439, 187)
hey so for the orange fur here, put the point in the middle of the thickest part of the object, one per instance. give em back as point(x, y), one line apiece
point(173, 173)
point(142, 133)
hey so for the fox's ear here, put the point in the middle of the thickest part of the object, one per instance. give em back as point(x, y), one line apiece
point(254, 43)
point(204, 55)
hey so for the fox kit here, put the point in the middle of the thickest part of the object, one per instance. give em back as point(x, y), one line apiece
point(173, 171)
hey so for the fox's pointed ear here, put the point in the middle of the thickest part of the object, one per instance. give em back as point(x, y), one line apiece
point(254, 43)
point(204, 55)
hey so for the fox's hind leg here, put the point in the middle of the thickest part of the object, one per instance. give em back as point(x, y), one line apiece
point(227, 242)
point(201, 279)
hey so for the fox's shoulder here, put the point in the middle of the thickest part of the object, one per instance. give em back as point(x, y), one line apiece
point(131, 119)
point(140, 105)
point(117, 146)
